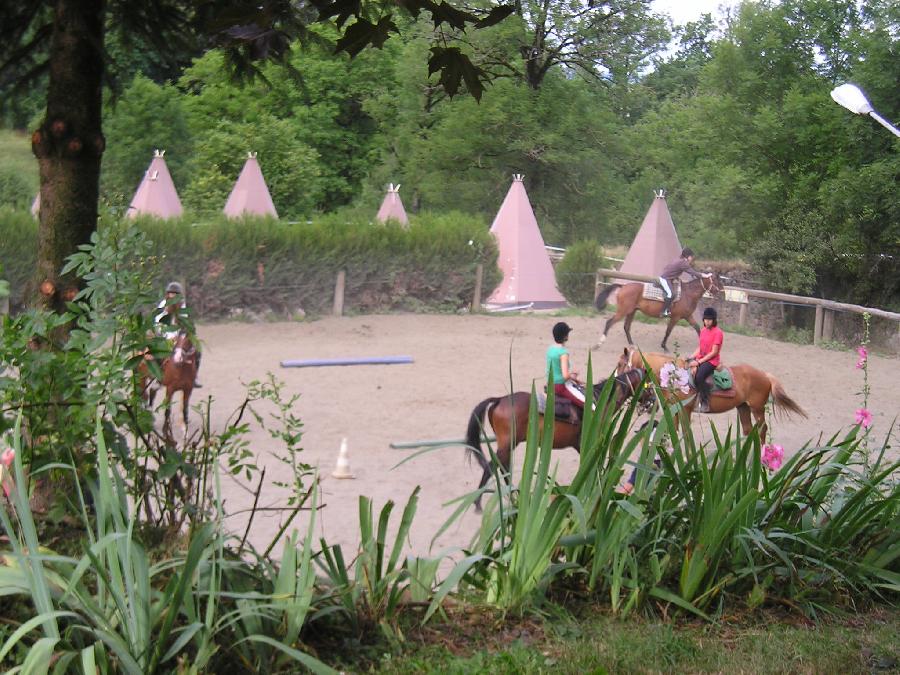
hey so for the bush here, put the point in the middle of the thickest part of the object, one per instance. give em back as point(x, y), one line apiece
point(265, 265)
point(15, 190)
point(576, 272)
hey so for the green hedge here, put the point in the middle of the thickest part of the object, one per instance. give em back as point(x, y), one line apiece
point(265, 265)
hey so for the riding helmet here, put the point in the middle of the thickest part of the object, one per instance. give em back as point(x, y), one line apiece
point(175, 287)
point(561, 331)
point(710, 313)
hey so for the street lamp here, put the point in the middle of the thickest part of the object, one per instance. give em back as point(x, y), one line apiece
point(851, 97)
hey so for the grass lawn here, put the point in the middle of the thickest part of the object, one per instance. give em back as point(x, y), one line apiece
point(598, 643)
point(15, 151)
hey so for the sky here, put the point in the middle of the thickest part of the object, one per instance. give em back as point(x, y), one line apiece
point(683, 11)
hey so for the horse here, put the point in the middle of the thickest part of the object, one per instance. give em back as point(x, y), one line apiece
point(178, 374)
point(502, 410)
point(630, 299)
point(752, 389)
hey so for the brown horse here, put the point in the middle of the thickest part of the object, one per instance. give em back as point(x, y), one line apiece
point(752, 390)
point(501, 411)
point(178, 374)
point(630, 299)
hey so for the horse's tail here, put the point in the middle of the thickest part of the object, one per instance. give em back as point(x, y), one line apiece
point(784, 404)
point(473, 433)
point(600, 302)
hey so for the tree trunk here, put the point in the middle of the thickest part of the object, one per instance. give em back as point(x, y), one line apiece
point(69, 144)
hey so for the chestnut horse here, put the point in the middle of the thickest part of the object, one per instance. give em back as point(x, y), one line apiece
point(501, 411)
point(178, 374)
point(630, 299)
point(752, 390)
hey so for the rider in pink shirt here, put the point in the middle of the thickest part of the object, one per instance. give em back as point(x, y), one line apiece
point(707, 357)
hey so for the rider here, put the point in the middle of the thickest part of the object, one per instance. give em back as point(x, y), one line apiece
point(171, 316)
point(673, 271)
point(558, 368)
point(707, 356)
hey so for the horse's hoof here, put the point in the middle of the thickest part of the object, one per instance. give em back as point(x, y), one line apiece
point(602, 339)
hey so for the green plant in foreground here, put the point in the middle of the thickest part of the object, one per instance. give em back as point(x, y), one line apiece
point(113, 610)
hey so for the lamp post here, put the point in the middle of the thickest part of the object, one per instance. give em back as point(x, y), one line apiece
point(851, 97)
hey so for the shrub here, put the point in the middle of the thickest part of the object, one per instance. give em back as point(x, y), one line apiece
point(576, 272)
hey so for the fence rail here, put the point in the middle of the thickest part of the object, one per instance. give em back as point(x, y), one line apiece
point(825, 309)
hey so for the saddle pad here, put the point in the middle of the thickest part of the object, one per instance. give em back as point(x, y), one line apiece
point(726, 393)
point(654, 292)
point(562, 407)
point(713, 390)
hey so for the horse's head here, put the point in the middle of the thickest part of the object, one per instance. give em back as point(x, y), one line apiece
point(627, 360)
point(713, 284)
point(633, 382)
point(182, 347)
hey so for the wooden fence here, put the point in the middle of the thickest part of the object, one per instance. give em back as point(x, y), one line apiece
point(825, 309)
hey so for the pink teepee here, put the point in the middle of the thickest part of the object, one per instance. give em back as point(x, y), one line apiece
point(250, 196)
point(528, 276)
point(156, 195)
point(656, 243)
point(392, 207)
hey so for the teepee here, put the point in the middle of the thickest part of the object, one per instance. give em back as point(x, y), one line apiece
point(156, 195)
point(528, 276)
point(656, 243)
point(392, 207)
point(250, 196)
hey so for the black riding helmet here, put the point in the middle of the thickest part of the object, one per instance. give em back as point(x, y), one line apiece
point(710, 313)
point(561, 331)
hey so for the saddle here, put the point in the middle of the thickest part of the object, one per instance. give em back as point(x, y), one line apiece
point(565, 410)
point(653, 291)
point(721, 373)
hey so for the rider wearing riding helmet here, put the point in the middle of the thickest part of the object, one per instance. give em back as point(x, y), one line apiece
point(172, 316)
point(558, 367)
point(672, 272)
point(707, 357)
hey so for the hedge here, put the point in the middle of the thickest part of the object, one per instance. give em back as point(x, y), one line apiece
point(263, 265)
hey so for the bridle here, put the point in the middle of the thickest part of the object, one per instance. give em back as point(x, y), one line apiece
point(713, 286)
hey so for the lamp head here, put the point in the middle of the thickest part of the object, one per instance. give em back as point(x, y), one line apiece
point(851, 97)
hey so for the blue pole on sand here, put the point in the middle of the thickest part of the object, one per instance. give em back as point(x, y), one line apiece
point(362, 361)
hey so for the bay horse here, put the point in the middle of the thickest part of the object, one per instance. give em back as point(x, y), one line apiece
point(752, 390)
point(630, 299)
point(178, 374)
point(502, 410)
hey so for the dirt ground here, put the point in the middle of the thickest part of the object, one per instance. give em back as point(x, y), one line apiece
point(459, 361)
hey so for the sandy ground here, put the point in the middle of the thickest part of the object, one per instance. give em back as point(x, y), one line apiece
point(459, 361)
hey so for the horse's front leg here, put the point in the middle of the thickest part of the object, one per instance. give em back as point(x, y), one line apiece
point(185, 409)
point(669, 327)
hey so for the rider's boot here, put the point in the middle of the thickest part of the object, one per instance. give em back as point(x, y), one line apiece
point(667, 306)
point(703, 402)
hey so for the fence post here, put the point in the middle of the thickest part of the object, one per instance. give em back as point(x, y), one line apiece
point(476, 297)
point(742, 314)
point(338, 309)
point(827, 324)
point(817, 331)
point(598, 281)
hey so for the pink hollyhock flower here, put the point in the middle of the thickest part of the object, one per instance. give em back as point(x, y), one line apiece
point(864, 417)
point(863, 357)
point(665, 374)
point(773, 457)
point(6, 460)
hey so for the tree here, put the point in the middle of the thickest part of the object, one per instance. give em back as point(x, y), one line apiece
point(66, 41)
